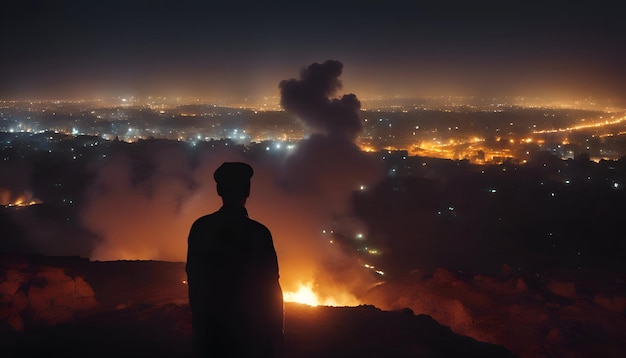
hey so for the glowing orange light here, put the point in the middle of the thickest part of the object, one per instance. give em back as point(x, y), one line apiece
point(306, 294)
point(25, 200)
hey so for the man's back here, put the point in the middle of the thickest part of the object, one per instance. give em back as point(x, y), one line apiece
point(228, 255)
point(234, 290)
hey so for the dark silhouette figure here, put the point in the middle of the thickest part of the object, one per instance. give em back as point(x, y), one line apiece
point(232, 272)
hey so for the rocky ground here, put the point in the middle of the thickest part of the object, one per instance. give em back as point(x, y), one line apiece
point(164, 331)
point(75, 307)
point(555, 314)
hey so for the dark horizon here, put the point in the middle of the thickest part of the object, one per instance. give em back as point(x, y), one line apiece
point(71, 49)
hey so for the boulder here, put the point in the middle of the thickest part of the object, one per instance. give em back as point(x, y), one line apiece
point(39, 296)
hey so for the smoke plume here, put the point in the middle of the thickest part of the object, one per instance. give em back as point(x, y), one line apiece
point(327, 166)
point(144, 200)
point(310, 98)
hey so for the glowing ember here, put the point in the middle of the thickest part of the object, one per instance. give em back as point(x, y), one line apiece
point(21, 202)
point(306, 295)
point(24, 200)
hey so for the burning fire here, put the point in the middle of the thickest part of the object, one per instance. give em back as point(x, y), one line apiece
point(22, 202)
point(25, 199)
point(306, 294)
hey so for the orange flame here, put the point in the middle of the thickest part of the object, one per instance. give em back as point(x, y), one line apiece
point(306, 294)
point(26, 199)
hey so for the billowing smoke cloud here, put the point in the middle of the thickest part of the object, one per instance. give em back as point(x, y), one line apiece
point(143, 202)
point(143, 215)
point(327, 166)
point(310, 98)
point(328, 162)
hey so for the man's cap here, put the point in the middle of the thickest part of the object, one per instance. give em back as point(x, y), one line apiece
point(233, 173)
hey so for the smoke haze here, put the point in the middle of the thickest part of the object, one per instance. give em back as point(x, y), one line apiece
point(143, 203)
point(310, 99)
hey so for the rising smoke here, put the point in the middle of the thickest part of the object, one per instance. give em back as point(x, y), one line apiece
point(328, 162)
point(143, 205)
point(310, 98)
point(327, 166)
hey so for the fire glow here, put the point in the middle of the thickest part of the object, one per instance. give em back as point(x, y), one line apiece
point(25, 199)
point(294, 196)
point(305, 294)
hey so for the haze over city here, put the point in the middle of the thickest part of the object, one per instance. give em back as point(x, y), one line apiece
point(76, 50)
point(436, 157)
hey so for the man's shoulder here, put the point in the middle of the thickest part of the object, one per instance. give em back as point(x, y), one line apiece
point(206, 219)
point(258, 226)
point(217, 216)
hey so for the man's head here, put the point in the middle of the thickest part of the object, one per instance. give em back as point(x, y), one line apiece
point(233, 180)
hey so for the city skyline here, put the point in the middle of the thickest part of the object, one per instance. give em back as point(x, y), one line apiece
point(75, 50)
point(429, 157)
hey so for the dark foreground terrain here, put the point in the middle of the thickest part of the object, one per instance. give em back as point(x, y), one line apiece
point(72, 307)
point(164, 331)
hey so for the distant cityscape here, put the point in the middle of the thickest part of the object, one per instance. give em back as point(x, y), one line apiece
point(512, 180)
point(482, 131)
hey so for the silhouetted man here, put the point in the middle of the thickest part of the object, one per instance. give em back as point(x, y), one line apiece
point(232, 272)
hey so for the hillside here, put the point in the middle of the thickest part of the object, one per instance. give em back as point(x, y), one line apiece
point(74, 307)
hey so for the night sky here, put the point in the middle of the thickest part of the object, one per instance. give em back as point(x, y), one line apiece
point(69, 48)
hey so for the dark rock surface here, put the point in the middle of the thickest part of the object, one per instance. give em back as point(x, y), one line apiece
point(142, 311)
point(164, 331)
